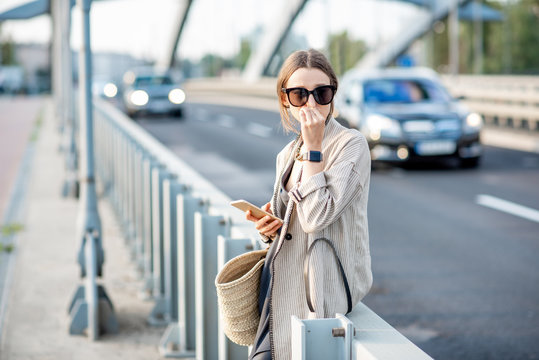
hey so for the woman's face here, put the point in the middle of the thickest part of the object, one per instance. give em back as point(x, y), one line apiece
point(308, 78)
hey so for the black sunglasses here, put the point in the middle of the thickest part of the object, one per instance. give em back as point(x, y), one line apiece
point(299, 96)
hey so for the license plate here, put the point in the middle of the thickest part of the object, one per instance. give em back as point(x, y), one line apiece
point(159, 106)
point(438, 147)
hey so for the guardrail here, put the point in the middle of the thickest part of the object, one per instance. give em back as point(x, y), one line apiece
point(511, 101)
point(180, 230)
point(506, 101)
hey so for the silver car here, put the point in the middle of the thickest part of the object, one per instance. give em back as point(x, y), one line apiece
point(152, 92)
point(406, 114)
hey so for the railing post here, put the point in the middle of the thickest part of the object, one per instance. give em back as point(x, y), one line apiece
point(228, 248)
point(207, 229)
point(320, 339)
point(139, 210)
point(149, 165)
point(131, 197)
point(91, 308)
point(157, 316)
point(179, 339)
point(171, 189)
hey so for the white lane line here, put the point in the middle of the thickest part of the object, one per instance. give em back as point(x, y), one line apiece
point(226, 121)
point(508, 207)
point(259, 130)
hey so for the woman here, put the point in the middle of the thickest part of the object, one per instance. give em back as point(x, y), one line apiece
point(321, 191)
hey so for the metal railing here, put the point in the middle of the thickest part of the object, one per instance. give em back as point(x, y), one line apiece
point(505, 101)
point(511, 101)
point(180, 230)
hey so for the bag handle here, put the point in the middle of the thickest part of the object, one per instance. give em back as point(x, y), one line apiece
point(307, 268)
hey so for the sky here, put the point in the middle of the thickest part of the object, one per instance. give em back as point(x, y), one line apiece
point(144, 28)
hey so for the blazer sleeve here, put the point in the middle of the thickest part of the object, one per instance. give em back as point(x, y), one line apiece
point(323, 197)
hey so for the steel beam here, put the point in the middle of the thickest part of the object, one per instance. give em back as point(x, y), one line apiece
point(386, 53)
point(170, 60)
point(262, 56)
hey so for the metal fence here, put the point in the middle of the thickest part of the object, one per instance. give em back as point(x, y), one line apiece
point(511, 101)
point(180, 230)
point(505, 101)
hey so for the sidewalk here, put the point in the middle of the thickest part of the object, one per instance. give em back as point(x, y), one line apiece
point(45, 273)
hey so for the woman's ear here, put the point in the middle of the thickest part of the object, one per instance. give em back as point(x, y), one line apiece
point(284, 100)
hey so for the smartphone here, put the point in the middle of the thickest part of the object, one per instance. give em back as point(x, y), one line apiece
point(255, 210)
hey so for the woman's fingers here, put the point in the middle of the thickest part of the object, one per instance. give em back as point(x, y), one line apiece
point(312, 127)
point(267, 208)
point(262, 223)
point(249, 216)
point(271, 228)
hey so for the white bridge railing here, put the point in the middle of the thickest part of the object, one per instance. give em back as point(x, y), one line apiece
point(505, 101)
point(180, 230)
point(511, 101)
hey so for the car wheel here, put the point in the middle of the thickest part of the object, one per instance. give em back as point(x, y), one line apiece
point(177, 113)
point(469, 163)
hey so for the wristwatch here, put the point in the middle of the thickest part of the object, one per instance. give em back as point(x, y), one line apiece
point(312, 155)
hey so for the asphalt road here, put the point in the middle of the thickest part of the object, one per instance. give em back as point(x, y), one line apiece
point(456, 276)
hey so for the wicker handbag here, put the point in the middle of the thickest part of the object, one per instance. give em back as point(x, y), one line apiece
point(238, 287)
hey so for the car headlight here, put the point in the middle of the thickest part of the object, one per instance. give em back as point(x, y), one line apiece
point(110, 90)
point(379, 125)
point(473, 122)
point(139, 97)
point(176, 96)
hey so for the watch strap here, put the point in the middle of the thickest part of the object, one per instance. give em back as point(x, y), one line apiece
point(311, 155)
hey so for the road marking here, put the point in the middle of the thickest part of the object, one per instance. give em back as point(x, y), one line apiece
point(508, 207)
point(259, 130)
point(226, 121)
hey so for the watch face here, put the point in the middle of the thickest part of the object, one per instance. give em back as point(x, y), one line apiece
point(315, 156)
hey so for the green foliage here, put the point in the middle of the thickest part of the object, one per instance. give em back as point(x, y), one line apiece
point(37, 127)
point(344, 53)
point(523, 18)
point(7, 51)
point(510, 46)
point(244, 54)
point(213, 65)
point(6, 248)
point(11, 228)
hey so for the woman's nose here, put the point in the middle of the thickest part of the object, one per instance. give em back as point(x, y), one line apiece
point(311, 102)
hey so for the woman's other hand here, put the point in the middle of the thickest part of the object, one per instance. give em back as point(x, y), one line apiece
point(264, 225)
point(312, 127)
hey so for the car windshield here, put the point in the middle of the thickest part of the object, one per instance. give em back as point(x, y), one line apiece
point(403, 91)
point(152, 80)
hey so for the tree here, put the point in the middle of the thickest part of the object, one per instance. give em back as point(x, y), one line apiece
point(7, 51)
point(523, 18)
point(344, 53)
point(245, 52)
point(511, 46)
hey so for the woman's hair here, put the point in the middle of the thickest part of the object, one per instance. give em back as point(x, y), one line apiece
point(311, 59)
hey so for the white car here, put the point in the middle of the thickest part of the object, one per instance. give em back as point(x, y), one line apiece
point(152, 92)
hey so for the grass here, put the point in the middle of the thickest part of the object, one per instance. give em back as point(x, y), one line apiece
point(12, 228)
point(6, 248)
point(8, 230)
point(37, 126)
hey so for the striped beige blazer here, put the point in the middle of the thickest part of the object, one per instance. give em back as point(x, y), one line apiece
point(330, 204)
